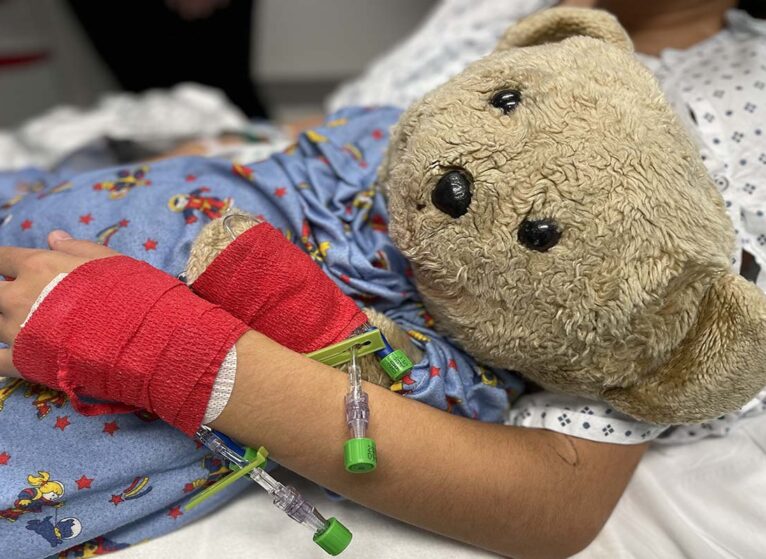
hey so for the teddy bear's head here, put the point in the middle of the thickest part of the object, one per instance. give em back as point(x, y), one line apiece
point(560, 223)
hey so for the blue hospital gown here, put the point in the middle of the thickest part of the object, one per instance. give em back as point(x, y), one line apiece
point(96, 484)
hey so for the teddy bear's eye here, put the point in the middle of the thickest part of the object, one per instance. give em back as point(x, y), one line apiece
point(452, 194)
point(506, 99)
point(539, 235)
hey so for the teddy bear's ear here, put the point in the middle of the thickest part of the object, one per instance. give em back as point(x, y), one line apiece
point(557, 24)
point(719, 367)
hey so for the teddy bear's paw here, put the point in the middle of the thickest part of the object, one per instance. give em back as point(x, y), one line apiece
point(214, 238)
point(373, 372)
point(397, 338)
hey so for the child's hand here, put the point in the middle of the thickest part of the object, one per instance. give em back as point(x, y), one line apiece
point(33, 270)
point(115, 335)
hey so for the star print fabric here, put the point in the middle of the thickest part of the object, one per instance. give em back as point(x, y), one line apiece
point(112, 481)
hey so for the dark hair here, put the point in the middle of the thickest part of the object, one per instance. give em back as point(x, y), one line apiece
point(756, 8)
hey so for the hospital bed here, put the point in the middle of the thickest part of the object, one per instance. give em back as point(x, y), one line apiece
point(701, 500)
point(705, 500)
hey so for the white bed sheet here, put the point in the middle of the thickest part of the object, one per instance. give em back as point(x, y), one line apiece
point(703, 500)
point(156, 118)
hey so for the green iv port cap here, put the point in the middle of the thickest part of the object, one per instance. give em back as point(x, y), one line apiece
point(334, 538)
point(360, 455)
point(396, 364)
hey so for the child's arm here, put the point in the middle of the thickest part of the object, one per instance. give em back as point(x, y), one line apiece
point(521, 492)
point(516, 491)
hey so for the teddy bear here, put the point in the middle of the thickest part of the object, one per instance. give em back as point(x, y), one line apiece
point(560, 224)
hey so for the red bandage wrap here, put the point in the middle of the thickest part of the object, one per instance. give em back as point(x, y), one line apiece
point(273, 286)
point(119, 330)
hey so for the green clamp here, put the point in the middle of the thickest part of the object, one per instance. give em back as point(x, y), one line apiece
point(360, 455)
point(334, 538)
point(250, 455)
point(340, 353)
point(259, 459)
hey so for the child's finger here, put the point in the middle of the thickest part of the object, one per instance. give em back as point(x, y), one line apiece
point(11, 258)
point(62, 242)
point(6, 365)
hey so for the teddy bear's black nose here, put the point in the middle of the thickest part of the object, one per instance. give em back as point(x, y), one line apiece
point(452, 194)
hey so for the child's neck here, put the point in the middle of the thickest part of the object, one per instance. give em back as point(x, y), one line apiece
point(654, 25)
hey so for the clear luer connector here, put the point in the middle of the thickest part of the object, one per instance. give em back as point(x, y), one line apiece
point(207, 436)
point(357, 404)
point(286, 498)
point(359, 452)
point(289, 500)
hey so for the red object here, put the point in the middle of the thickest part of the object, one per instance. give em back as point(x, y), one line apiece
point(62, 422)
point(110, 428)
point(119, 330)
point(150, 244)
point(269, 283)
point(22, 58)
point(84, 482)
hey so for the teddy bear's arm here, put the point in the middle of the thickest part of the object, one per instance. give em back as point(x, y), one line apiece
point(213, 239)
point(220, 233)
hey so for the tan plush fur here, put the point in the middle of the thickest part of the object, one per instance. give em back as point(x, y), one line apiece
point(635, 304)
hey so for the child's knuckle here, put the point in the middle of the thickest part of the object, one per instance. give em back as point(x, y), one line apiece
point(37, 263)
